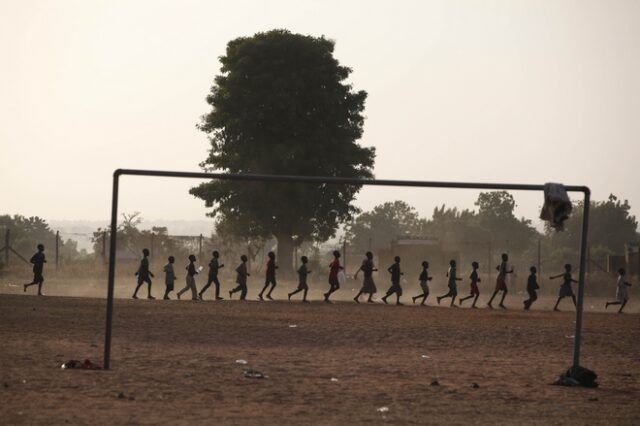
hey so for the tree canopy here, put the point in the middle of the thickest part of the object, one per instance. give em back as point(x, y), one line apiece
point(280, 105)
point(373, 230)
point(611, 226)
point(495, 222)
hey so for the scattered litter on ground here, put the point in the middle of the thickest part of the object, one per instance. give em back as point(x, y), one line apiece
point(435, 383)
point(293, 325)
point(382, 409)
point(580, 377)
point(121, 395)
point(425, 356)
point(333, 379)
point(86, 365)
point(570, 336)
point(242, 361)
point(253, 374)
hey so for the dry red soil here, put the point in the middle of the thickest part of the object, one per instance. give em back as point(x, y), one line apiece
point(174, 362)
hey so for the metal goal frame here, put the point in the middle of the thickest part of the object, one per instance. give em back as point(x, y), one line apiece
point(336, 181)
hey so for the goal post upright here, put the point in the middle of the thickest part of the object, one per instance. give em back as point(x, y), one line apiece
point(335, 181)
point(581, 273)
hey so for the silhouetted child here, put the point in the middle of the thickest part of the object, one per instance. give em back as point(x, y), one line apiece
point(334, 269)
point(302, 280)
point(501, 281)
point(38, 262)
point(169, 277)
point(622, 295)
point(453, 286)
point(214, 266)
point(395, 272)
point(424, 278)
point(144, 275)
point(565, 287)
point(191, 279)
point(474, 285)
point(532, 286)
point(270, 278)
point(368, 286)
point(241, 279)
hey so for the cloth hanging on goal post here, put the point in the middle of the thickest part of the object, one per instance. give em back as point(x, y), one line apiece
point(557, 205)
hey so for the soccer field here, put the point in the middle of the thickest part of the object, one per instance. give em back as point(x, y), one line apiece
point(174, 362)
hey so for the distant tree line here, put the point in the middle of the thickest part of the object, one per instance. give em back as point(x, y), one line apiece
point(26, 232)
point(611, 227)
point(494, 222)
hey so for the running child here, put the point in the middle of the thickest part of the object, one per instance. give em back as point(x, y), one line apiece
point(501, 281)
point(334, 269)
point(38, 262)
point(474, 286)
point(191, 279)
point(424, 278)
point(214, 266)
point(169, 277)
point(532, 286)
point(302, 280)
point(144, 275)
point(241, 279)
point(270, 278)
point(453, 286)
point(395, 272)
point(565, 287)
point(368, 286)
point(622, 295)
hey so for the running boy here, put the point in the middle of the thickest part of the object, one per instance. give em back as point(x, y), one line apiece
point(424, 278)
point(191, 279)
point(302, 280)
point(474, 285)
point(38, 262)
point(622, 295)
point(270, 279)
point(144, 275)
point(394, 270)
point(214, 266)
point(368, 286)
point(453, 286)
point(565, 288)
point(334, 268)
point(532, 286)
point(169, 277)
point(501, 281)
point(241, 279)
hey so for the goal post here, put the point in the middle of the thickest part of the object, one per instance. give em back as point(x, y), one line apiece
point(338, 181)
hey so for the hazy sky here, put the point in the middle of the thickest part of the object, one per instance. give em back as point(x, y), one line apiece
point(510, 91)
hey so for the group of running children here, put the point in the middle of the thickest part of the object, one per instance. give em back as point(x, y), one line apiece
point(337, 277)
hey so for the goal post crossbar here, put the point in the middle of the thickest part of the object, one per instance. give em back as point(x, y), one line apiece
point(337, 181)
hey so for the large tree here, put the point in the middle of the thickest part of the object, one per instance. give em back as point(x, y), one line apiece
point(281, 105)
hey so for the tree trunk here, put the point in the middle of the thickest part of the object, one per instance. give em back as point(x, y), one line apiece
point(284, 256)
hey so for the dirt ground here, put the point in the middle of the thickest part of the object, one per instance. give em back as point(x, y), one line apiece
point(174, 362)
